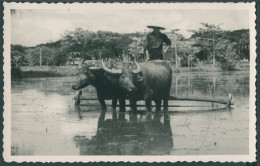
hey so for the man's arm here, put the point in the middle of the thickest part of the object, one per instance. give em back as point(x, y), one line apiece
point(166, 39)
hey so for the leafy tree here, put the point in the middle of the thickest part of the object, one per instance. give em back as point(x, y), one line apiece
point(136, 48)
point(240, 38)
point(227, 56)
point(225, 46)
point(18, 56)
point(32, 56)
point(206, 39)
point(17, 59)
point(184, 48)
point(89, 44)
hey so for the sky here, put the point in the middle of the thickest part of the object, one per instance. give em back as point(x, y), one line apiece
point(30, 27)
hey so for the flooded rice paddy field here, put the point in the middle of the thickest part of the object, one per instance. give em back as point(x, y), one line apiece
point(44, 120)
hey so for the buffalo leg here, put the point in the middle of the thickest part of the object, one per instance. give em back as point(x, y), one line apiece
point(101, 119)
point(122, 105)
point(114, 103)
point(121, 116)
point(148, 99)
point(102, 103)
point(148, 105)
point(148, 116)
point(133, 117)
point(165, 104)
point(133, 104)
point(114, 115)
point(158, 103)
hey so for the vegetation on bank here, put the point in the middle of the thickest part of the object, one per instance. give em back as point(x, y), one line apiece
point(46, 71)
point(207, 46)
point(58, 71)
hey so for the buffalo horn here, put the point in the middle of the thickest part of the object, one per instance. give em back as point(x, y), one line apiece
point(111, 71)
point(138, 68)
point(95, 68)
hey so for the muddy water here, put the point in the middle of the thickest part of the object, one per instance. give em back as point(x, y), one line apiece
point(44, 120)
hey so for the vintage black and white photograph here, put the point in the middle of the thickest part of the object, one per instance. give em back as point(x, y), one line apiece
point(129, 82)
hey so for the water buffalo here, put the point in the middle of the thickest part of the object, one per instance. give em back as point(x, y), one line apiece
point(152, 80)
point(106, 89)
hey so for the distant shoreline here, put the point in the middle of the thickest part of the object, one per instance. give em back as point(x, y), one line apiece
point(60, 71)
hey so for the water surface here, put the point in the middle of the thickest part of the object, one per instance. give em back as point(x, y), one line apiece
point(44, 120)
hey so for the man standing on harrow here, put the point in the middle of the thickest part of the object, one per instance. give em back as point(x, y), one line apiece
point(154, 43)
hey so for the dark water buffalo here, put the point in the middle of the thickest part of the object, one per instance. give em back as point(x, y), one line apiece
point(152, 80)
point(106, 89)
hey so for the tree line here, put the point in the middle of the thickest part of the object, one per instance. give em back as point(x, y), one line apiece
point(207, 45)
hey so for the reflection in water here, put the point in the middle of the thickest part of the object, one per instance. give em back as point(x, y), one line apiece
point(214, 83)
point(41, 84)
point(176, 85)
point(77, 108)
point(211, 85)
point(190, 89)
point(229, 110)
point(136, 136)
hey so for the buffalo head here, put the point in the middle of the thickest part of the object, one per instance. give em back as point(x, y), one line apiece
point(86, 76)
point(123, 76)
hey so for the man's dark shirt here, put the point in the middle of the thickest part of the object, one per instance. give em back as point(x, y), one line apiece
point(154, 45)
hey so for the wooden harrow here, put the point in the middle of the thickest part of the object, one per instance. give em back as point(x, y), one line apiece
point(227, 101)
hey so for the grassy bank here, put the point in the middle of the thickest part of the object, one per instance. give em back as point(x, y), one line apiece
point(58, 71)
point(209, 68)
point(47, 71)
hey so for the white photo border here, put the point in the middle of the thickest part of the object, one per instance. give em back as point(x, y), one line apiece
point(251, 157)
